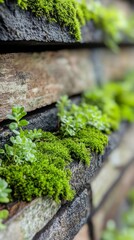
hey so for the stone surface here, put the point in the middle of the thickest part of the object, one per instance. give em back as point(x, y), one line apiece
point(35, 80)
point(125, 151)
point(68, 221)
point(109, 66)
point(23, 26)
point(113, 182)
point(32, 218)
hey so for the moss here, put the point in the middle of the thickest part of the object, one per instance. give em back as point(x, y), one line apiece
point(93, 139)
point(55, 149)
point(122, 94)
point(34, 180)
point(73, 14)
point(127, 113)
point(68, 13)
point(78, 150)
point(48, 173)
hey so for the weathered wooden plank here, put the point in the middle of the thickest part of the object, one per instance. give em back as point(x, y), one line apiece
point(35, 80)
point(110, 66)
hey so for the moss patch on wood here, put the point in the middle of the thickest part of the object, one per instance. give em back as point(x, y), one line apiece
point(43, 169)
point(73, 14)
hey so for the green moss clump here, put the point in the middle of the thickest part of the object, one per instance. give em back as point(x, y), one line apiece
point(122, 94)
point(73, 14)
point(68, 13)
point(48, 175)
point(77, 150)
point(127, 113)
point(28, 181)
point(36, 163)
point(55, 149)
point(93, 139)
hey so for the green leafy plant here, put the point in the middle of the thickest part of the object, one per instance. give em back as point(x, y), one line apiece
point(73, 118)
point(114, 99)
point(36, 163)
point(22, 148)
point(33, 161)
point(18, 113)
point(4, 192)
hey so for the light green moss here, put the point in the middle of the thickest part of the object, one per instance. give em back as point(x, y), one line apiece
point(74, 117)
point(48, 173)
point(74, 14)
point(78, 150)
point(93, 139)
point(28, 181)
point(68, 13)
point(54, 149)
